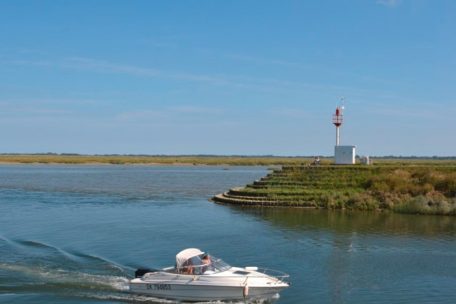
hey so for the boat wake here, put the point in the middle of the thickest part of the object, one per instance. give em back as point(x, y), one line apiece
point(34, 267)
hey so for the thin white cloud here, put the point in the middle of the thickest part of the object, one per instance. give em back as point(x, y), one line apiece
point(195, 110)
point(241, 82)
point(263, 61)
point(389, 3)
point(291, 113)
point(22, 62)
point(421, 112)
point(101, 66)
point(109, 67)
point(168, 113)
point(47, 102)
point(13, 109)
point(141, 115)
point(105, 66)
point(31, 109)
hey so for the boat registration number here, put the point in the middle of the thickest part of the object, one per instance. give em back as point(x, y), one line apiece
point(158, 286)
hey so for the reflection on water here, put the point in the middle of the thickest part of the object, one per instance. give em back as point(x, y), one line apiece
point(359, 257)
point(343, 222)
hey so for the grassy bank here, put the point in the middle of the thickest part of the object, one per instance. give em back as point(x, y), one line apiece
point(413, 187)
point(150, 160)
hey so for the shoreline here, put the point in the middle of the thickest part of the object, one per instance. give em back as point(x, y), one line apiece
point(2, 163)
point(150, 160)
point(102, 164)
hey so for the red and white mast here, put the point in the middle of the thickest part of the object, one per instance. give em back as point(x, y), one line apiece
point(337, 120)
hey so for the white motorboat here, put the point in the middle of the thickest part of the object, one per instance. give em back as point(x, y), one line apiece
point(200, 277)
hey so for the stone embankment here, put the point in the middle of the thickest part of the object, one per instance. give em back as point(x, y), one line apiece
point(297, 186)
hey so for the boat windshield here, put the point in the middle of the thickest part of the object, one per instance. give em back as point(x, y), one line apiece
point(204, 264)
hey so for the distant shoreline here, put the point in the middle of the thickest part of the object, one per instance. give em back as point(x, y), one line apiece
point(52, 159)
point(197, 160)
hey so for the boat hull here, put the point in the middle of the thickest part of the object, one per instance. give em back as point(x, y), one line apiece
point(203, 292)
point(207, 288)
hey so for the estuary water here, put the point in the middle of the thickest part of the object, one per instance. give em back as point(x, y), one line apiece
point(75, 234)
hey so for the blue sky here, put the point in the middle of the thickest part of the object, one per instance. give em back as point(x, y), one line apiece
point(227, 77)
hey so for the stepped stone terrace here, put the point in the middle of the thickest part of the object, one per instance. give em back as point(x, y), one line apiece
point(417, 188)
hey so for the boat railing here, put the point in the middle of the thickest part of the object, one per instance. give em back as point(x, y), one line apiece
point(282, 276)
point(249, 272)
point(216, 265)
point(202, 270)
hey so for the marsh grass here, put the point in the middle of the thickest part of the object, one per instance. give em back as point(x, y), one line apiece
point(434, 203)
point(424, 188)
point(151, 160)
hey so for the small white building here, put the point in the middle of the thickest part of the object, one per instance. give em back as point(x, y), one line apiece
point(344, 155)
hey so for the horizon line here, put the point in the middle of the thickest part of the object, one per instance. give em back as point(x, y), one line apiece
point(227, 155)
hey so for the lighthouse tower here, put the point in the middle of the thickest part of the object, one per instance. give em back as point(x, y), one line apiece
point(343, 155)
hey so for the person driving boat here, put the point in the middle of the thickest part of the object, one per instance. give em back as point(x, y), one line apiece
point(207, 264)
point(187, 267)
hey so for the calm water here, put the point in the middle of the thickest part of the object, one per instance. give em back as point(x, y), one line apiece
point(75, 234)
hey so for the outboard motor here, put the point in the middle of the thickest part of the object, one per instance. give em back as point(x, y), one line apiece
point(142, 271)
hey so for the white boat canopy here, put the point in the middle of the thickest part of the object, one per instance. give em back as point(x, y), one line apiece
point(185, 255)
